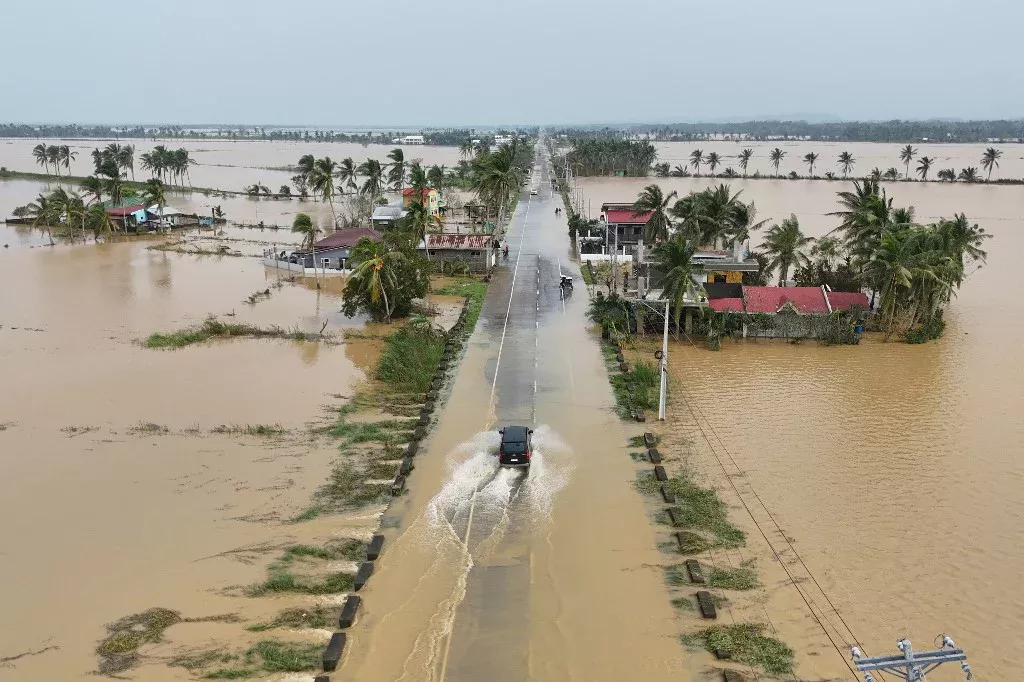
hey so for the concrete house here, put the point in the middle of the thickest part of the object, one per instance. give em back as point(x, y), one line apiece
point(477, 251)
point(624, 224)
point(430, 197)
point(334, 252)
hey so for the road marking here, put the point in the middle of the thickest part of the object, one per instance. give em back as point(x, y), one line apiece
point(487, 424)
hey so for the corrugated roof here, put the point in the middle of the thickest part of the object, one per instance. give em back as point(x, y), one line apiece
point(845, 300)
point(627, 217)
point(127, 210)
point(722, 304)
point(458, 241)
point(348, 237)
point(409, 191)
point(806, 300)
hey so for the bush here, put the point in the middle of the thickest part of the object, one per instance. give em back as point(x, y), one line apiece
point(409, 360)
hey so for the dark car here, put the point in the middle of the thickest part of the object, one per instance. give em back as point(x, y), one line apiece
point(516, 447)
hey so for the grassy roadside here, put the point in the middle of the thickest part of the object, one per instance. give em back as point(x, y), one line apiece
point(214, 328)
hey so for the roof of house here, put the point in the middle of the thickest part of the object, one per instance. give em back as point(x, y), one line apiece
point(458, 241)
point(627, 217)
point(845, 300)
point(722, 304)
point(409, 191)
point(347, 237)
point(806, 300)
point(125, 210)
point(389, 212)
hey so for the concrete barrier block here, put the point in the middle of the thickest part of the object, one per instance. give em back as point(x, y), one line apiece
point(675, 516)
point(723, 654)
point(362, 575)
point(732, 676)
point(322, 678)
point(654, 456)
point(640, 416)
point(420, 433)
point(649, 440)
point(424, 419)
point(624, 367)
point(374, 546)
point(432, 395)
point(429, 405)
point(659, 473)
point(412, 448)
point(706, 604)
point(693, 567)
point(332, 654)
point(667, 494)
point(398, 486)
point(406, 466)
point(348, 612)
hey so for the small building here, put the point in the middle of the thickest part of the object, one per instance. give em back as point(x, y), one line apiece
point(477, 251)
point(128, 217)
point(169, 216)
point(385, 217)
point(334, 252)
point(412, 139)
point(625, 225)
point(723, 266)
point(429, 196)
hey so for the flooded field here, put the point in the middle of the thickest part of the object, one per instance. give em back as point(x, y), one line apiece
point(896, 470)
point(119, 494)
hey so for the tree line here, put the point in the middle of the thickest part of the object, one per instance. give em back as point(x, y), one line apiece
point(914, 268)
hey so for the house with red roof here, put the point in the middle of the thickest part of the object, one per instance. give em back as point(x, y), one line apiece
point(430, 197)
point(625, 224)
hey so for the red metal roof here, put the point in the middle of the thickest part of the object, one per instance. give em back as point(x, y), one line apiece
point(806, 300)
point(845, 300)
point(628, 217)
point(722, 304)
point(125, 210)
point(409, 191)
point(345, 238)
point(458, 241)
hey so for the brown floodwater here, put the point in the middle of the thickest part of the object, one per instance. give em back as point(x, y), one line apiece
point(104, 519)
point(896, 470)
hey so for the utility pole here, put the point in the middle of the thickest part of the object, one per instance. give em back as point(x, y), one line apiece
point(664, 368)
point(911, 666)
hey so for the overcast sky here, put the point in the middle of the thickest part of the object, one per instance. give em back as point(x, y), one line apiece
point(463, 62)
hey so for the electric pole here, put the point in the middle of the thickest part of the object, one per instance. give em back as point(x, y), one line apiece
point(909, 665)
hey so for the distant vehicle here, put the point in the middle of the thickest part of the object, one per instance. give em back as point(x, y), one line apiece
point(533, 191)
point(516, 447)
point(566, 282)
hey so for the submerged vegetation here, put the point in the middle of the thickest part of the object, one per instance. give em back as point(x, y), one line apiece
point(119, 650)
point(746, 644)
point(214, 328)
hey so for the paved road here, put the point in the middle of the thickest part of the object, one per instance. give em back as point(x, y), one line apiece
point(498, 575)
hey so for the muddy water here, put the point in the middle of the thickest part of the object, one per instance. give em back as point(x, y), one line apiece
point(545, 575)
point(102, 521)
point(867, 155)
point(223, 164)
point(895, 469)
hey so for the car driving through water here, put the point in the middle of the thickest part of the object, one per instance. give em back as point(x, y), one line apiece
point(516, 448)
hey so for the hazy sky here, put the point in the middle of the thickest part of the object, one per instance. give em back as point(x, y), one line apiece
point(457, 62)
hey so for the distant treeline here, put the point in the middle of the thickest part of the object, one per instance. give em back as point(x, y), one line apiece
point(844, 131)
point(451, 137)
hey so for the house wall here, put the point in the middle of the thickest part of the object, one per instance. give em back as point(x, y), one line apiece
point(478, 261)
point(731, 277)
point(334, 258)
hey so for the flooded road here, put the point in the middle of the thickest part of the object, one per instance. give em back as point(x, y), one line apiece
point(494, 574)
point(895, 469)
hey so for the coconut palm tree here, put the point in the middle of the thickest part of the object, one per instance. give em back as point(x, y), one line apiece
point(376, 274)
point(53, 156)
point(713, 160)
point(305, 167)
point(419, 220)
point(810, 159)
point(98, 220)
point(891, 173)
point(846, 161)
point(396, 173)
point(373, 184)
point(436, 177)
point(41, 157)
point(990, 160)
point(907, 155)
point(673, 263)
point(66, 156)
point(784, 246)
point(963, 242)
point(827, 250)
point(894, 264)
point(347, 175)
point(322, 182)
point(154, 192)
point(744, 159)
point(924, 164)
point(302, 224)
point(126, 159)
point(466, 149)
point(496, 178)
point(947, 174)
point(696, 158)
point(659, 225)
point(776, 156)
point(969, 174)
point(92, 185)
point(44, 214)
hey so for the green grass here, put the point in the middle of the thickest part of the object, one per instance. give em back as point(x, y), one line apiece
point(636, 442)
point(214, 328)
point(315, 617)
point(684, 603)
point(285, 581)
point(148, 429)
point(368, 432)
point(200, 659)
point(230, 674)
point(346, 489)
point(748, 645)
point(743, 577)
point(700, 509)
point(276, 656)
point(349, 548)
point(119, 650)
point(251, 429)
point(409, 360)
point(676, 575)
point(470, 288)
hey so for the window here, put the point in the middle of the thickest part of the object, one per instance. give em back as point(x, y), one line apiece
point(327, 262)
point(474, 253)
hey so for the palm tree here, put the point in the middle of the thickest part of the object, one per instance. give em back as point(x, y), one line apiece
point(305, 167)
point(419, 220)
point(962, 241)
point(696, 157)
point(947, 174)
point(376, 274)
point(891, 173)
point(374, 182)
point(924, 164)
point(113, 181)
point(784, 246)
point(659, 225)
point(154, 192)
point(66, 156)
point(894, 264)
point(466, 149)
point(303, 225)
point(969, 174)
point(98, 220)
point(713, 160)
point(776, 157)
point(41, 157)
point(846, 160)
point(436, 177)
point(673, 262)
point(907, 155)
point(94, 186)
point(990, 160)
point(44, 214)
point(53, 156)
point(347, 174)
point(396, 174)
point(322, 182)
point(496, 178)
point(744, 159)
point(827, 250)
point(810, 159)
point(126, 159)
